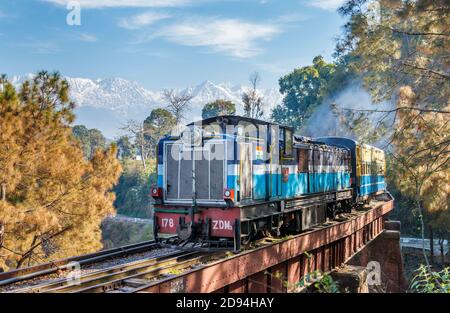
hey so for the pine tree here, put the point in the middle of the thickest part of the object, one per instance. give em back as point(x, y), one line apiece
point(401, 50)
point(53, 199)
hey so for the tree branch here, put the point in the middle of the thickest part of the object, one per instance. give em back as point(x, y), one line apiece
point(404, 32)
point(397, 109)
point(28, 253)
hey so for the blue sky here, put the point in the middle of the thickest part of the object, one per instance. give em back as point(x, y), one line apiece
point(167, 43)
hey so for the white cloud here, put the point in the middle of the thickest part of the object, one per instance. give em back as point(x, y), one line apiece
point(141, 20)
point(329, 5)
point(230, 36)
point(95, 4)
point(88, 38)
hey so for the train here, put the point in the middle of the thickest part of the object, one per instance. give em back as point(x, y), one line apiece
point(224, 181)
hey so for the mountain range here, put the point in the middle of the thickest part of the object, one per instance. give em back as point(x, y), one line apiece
point(106, 104)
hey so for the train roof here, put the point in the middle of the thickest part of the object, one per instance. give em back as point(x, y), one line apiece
point(235, 119)
point(342, 140)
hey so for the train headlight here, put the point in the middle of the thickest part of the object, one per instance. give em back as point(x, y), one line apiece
point(228, 194)
point(156, 192)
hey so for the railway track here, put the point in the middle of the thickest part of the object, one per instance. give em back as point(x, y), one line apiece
point(124, 277)
point(52, 268)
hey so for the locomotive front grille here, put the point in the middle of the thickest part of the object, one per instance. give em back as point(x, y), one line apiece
point(185, 164)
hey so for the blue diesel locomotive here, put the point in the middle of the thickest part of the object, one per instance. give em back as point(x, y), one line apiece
point(224, 180)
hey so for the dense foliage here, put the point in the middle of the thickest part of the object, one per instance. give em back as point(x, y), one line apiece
point(427, 281)
point(90, 139)
point(118, 233)
point(52, 199)
point(158, 124)
point(398, 52)
point(303, 91)
point(400, 49)
point(132, 190)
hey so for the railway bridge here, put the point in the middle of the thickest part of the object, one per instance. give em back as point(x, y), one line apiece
point(357, 239)
point(357, 249)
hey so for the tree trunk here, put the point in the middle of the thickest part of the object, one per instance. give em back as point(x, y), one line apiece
point(2, 233)
point(27, 255)
point(144, 164)
point(441, 245)
point(3, 191)
point(431, 244)
point(31, 250)
point(422, 224)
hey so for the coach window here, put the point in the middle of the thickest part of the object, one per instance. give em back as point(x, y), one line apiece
point(302, 160)
point(348, 162)
point(288, 142)
point(319, 160)
point(336, 160)
point(330, 160)
point(327, 160)
point(316, 160)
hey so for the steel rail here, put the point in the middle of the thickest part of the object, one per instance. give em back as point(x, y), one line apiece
point(22, 274)
point(147, 276)
point(62, 283)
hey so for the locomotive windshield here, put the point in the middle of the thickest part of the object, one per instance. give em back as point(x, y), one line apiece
point(194, 167)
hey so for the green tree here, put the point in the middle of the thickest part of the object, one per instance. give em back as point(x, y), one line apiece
point(146, 134)
point(132, 190)
point(81, 133)
point(52, 199)
point(303, 90)
point(125, 147)
point(90, 139)
point(117, 233)
point(218, 108)
point(159, 123)
point(98, 141)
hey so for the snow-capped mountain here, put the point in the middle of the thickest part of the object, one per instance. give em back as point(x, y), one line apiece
point(106, 104)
